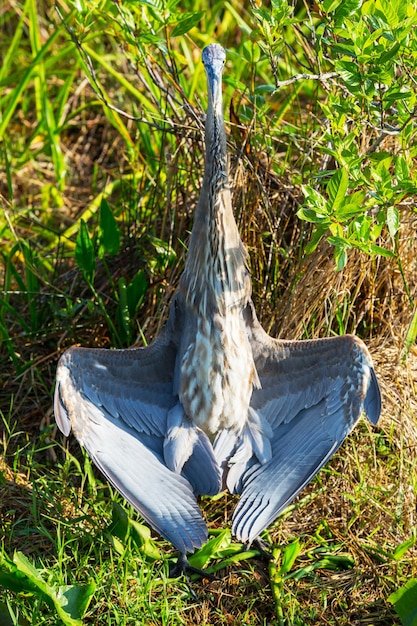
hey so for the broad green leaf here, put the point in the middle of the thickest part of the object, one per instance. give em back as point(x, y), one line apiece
point(337, 187)
point(340, 256)
point(11, 578)
point(362, 227)
point(330, 5)
point(123, 527)
point(350, 74)
point(84, 251)
point(265, 89)
point(344, 9)
point(70, 601)
point(130, 299)
point(165, 255)
point(393, 220)
point(371, 38)
point(401, 549)
point(119, 525)
point(136, 291)
point(25, 567)
point(141, 535)
point(375, 249)
point(312, 215)
point(348, 210)
point(211, 549)
point(402, 171)
point(315, 238)
point(314, 198)
point(336, 229)
point(187, 22)
point(389, 54)
point(290, 555)
point(74, 600)
point(405, 602)
point(263, 15)
point(109, 234)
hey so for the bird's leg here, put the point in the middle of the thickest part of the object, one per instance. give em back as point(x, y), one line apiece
point(182, 568)
point(263, 547)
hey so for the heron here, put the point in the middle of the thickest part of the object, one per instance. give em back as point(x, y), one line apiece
point(214, 402)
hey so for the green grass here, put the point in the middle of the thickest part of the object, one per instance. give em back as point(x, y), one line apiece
point(101, 155)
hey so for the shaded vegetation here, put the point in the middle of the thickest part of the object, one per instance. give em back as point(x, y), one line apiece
point(101, 158)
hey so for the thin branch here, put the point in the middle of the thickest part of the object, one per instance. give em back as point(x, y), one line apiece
point(297, 77)
point(389, 131)
point(97, 88)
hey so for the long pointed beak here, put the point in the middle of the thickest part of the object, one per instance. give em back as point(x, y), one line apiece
point(214, 82)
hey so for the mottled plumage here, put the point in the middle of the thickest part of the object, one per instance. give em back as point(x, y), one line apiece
point(214, 402)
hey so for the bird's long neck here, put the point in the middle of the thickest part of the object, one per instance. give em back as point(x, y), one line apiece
point(215, 276)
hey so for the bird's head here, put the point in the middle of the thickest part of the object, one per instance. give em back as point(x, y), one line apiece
point(214, 57)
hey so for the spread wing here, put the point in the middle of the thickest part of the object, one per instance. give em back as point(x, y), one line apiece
point(312, 394)
point(117, 403)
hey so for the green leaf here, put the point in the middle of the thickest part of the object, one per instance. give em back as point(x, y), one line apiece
point(122, 314)
point(290, 555)
point(70, 601)
point(84, 251)
point(393, 220)
point(346, 8)
point(374, 249)
point(312, 215)
point(136, 291)
point(340, 257)
point(347, 211)
point(330, 5)
point(74, 601)
point(402, 171)
point(314, 199)
point(263, 15)
point(131, 297)
point(211, 549)
point(6, 618)
point(265, 89)
point(187, 23)
point(337, 187)
point(109, 234)
point(119, 525)
point(405, 602)
point(390, 53)
point(315, 238)
point(11, 578)
point(124, 528)
point(411, 335)
point(402, 548)
point(353, 206)
point(336, 229)
point(141, 535)
point(24, 566)
point(165, 255)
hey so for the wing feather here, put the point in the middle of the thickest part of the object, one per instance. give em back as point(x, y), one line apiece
point(312, 394)
point(117, 402)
